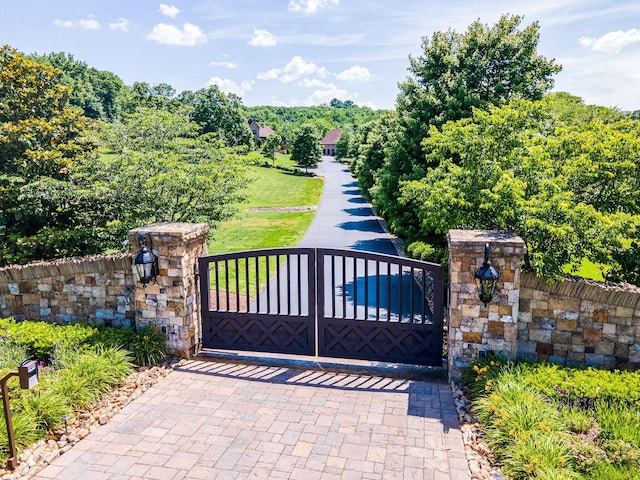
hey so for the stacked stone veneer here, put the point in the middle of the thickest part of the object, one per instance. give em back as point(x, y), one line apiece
point(172, 304)
point(97, 289)
point(473, 327)
point(579, 322)
point(105, 289)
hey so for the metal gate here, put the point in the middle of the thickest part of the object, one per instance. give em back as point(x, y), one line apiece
point(326, 302)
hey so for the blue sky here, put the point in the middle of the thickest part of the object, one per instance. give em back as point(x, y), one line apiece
point(306, 52)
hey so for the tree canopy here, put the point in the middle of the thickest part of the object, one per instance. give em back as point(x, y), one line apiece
point(223, 115)
point(456, 73)
point(307, 150)
point(40, 143)
point(567, 189)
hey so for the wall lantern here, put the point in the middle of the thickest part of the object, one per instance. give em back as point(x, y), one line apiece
point(487, 277)
point(146, 261)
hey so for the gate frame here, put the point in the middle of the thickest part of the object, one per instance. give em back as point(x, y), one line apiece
point(430, 337)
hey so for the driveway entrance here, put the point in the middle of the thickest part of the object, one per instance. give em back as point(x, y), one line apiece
point(325, 302)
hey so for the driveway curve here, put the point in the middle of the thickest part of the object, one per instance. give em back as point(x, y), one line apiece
point(344, 219)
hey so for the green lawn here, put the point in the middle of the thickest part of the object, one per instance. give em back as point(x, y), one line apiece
point(252, 230)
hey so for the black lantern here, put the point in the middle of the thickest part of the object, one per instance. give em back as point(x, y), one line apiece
point(146, 262)
point(488, 277)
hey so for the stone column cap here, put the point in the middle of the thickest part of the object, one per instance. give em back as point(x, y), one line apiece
point(184, 231)
point(474, 237)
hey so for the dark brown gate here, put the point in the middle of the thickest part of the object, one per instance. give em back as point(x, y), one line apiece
point(326, 302)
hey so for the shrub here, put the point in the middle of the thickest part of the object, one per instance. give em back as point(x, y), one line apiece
point(147, 346)
point(40, 338)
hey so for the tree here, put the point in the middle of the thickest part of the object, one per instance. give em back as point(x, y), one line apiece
point(41, 141)
point(100, 94)
point(270, 145)
point(223, 115)
point(306, 150)
point(567, 190)
point(343, 145)
point(371, 140)
point(456, 74)
point(166, 173)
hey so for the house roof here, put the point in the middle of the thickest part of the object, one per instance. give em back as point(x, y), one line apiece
point(264, 131)
point(331, 137)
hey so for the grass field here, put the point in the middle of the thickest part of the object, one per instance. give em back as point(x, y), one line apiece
point(252, 230)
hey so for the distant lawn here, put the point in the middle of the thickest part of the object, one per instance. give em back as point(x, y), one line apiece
point(275, 188)
point(255, 230)
point(587, 269)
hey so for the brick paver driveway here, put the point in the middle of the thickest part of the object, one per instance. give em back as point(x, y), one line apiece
point(212, 419)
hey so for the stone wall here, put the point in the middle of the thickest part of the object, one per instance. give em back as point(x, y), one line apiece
point(96, 289)
point(105, 289)
point(579, 322)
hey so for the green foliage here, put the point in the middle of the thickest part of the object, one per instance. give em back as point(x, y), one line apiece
point(455, 75)
point(78, 375)
point(24, 429)
point(564, 189)
point(53, 342)
point(164, 173)
point(371, 139)
point(41, 338)
point(40, 142)
point(83, 376)
point(286, 121)
point(619, 421)
point(11, 353)
point(270, 145)
point(546, 421)
point(100, 94)
point(343, 145)
point(147, 346)
point(223, 115)
point(306, 150)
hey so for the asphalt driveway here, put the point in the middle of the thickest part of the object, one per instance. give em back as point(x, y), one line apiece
point(344, 219)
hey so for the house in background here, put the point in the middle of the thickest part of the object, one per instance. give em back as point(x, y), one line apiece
point(329, 142)
point(260, 132)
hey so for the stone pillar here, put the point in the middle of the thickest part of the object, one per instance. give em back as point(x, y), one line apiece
point(172, 304)
point(473, 328)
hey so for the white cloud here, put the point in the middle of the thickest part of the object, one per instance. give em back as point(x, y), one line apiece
point(611, 42)
point(89, 23)
point(311, 6)
point(225, 64)
point(189, 36)
point(120, 24)
point(354, 74)
point(63, 23)
point(169, 11)
point(231, 86)
point(314, 83)
point(262, 38)
point(325, 96)
point(296, 69)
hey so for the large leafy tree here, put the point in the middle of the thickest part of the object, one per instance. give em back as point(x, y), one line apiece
point(100, 94)
point(306, 150)
point(567, 190)
point(456, 73)
point(223, 115)
point(40, 144)
point(165, 172)
point(371, 140)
